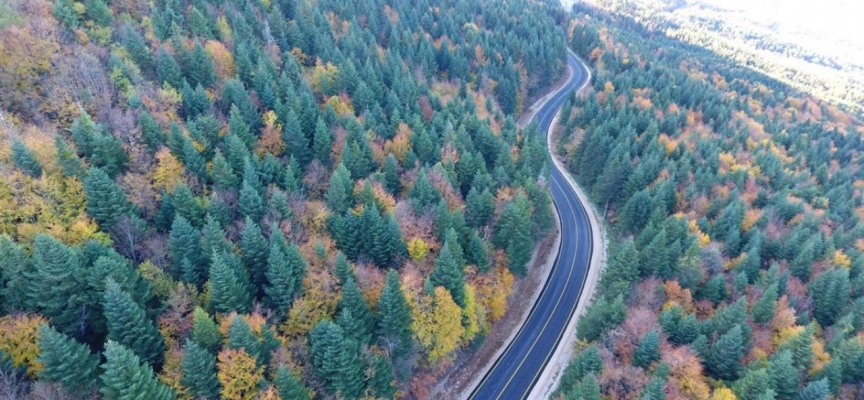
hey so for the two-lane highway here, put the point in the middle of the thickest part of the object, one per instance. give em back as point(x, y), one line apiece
point(520, 365)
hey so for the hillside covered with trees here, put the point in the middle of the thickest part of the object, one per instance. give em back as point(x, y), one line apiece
point(735, 206)
point(244, 199)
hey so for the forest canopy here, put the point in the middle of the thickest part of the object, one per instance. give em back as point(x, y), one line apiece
point(736, 265)
point(263, 199)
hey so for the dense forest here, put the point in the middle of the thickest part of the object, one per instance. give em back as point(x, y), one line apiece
point(809, 56)
point(245, 199)
point(736, 268)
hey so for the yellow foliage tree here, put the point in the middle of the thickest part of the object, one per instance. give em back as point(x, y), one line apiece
point(323, 75)
point(417, 249)
point(341, 104)
point(19, 340)
point(52, 205)
point(493, 289)
point(318, 302)
point(172, 374)
point(841, 259)
point(701, 237)
point(223, 61)
point(723, 393)
point(447, 318)
point(168, 172)
point(239, 375)
point(401, 143)
point(422, 325)
point(472, 315)
point(437, 324)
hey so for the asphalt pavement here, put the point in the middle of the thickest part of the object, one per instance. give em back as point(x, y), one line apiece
point(516, 371)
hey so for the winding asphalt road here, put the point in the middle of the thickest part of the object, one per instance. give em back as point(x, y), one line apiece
point(520, 365)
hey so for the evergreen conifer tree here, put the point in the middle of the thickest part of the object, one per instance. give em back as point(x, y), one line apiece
point(763, 310)
point(66, 361)
point(381, 381)
point(25, 159)
point(200, 70)
point(343, 268)
point(125, 377)
point(55, 289)
point(478, 208)
point(339, 192)
point(722, 360)
point(326, 341)
point(648, 350)
point(285, 269)
point(64, 11)
point(128, 325)
point(255, 253)
point(322, 142)
point(70, 164)
point(222, 173)
point(816, 390)
point(392, 181)
point(353, 301)
point(756, 384)
point(184, 244)
point(784, 375)
point(105, 201)
point(251, 203)
point(187, 205)
point(449, 274)
point(830, 293)
point(295, 140)
point(240, 337)
point(168, 70)
point(289, 386)
point(394, 317)
point(228, 287)
point(205, 332)
point(622, 271)
point(213, 238)
point(199, 372)
point(422, 193)
point(513, 233)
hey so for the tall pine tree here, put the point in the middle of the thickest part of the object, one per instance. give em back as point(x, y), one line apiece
point(228, 285)
point(125, 377)
point(449, 274)
point(66, 362)
point(128, 325)
point(255, 253)
point(105, 201)
point(394, 318)
point(55, 289)
point(199, 372)
point(285, 269)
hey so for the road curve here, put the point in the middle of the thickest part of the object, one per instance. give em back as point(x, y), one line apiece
point(516, 371)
